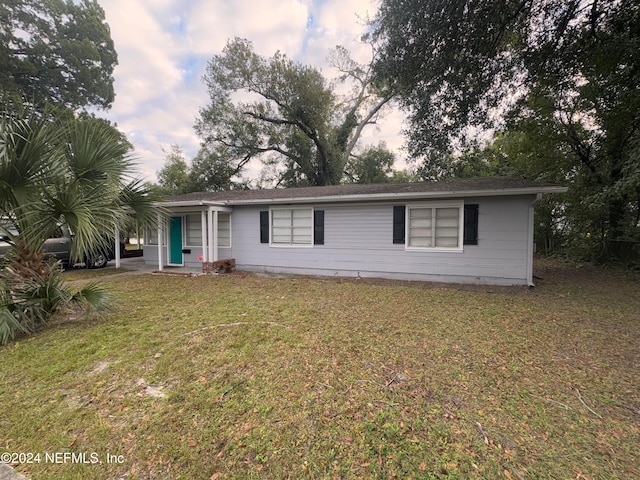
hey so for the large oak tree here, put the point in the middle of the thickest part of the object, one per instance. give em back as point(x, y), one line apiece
point(286, 113)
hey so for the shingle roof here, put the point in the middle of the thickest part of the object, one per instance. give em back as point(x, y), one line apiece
point(452, 187)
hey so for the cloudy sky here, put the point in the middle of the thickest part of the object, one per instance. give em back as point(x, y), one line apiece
point(163, 47)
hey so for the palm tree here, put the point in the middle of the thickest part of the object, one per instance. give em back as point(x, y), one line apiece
point(57, 169)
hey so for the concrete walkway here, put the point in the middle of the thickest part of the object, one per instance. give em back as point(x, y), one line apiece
point(136, 266)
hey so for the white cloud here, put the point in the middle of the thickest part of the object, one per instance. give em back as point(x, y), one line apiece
point(146, 55)
point(270, 25)
point(163, 47)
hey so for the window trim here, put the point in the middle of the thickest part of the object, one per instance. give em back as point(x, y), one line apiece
point(291, 245)
point(459, 204)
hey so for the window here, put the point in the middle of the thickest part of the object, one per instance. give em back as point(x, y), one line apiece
point(292, 226)
point(151, 236)
point(224, 229)
point(436, 226)
point(194, 229)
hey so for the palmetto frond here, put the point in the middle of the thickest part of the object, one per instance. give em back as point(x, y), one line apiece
point(59, 170)
point(138, 203)
point(95, 152)
point(94, 295)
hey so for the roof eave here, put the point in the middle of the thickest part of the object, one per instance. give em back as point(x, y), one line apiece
point(401, 196)
point(191, 203)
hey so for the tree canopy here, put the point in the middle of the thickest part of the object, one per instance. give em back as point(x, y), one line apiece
point(207, 172)
point(373, 165)
point(57, 51)
point(174, 175)
point(285, 113)
point(558, 79)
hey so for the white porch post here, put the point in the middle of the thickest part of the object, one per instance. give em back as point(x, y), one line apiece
point(212, 239)
point(117, 246)
point(215, 235)
point(160, 262)
point(205, 248)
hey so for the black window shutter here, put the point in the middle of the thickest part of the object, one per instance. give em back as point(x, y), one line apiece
point(471, 224)
point(318, 227)
point(264, 226)
point(398, 223)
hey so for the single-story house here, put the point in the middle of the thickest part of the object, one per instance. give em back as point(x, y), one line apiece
point(462, 230)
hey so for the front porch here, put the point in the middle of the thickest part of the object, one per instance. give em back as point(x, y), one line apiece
point(189, 236)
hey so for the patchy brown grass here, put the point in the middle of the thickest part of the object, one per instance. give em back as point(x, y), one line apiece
point(247, 377)
point(74, 274)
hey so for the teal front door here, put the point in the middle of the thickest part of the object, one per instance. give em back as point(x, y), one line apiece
point(175, 240)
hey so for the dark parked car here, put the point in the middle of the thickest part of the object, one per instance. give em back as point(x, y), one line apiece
point(59, 247)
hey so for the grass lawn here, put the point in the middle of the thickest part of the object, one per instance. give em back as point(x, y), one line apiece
point(248, 377)
point(81, 273)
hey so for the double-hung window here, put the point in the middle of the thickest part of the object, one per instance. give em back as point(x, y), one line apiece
point(435, 226)
point(292, 226)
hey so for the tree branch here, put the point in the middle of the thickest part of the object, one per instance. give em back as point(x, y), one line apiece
point(365, 121)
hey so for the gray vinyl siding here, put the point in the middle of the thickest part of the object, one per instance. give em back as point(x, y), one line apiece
point(358, 242)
